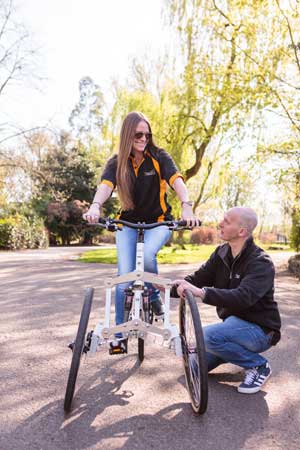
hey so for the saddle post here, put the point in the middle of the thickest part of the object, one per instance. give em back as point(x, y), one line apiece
point(138, 285)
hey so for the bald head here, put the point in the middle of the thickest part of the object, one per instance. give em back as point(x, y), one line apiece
point(246, 216)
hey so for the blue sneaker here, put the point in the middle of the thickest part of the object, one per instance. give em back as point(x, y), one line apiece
point(255, 378)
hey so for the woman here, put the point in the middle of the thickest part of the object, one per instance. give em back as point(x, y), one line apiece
point(141, 172)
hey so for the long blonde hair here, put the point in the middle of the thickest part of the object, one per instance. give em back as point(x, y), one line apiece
point(125, 178)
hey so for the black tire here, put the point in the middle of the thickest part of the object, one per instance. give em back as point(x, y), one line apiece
point(148, 318)
point(193, 352)
point(78, 348)
point(141, 349)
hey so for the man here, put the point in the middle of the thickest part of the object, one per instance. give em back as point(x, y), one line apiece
point(238, 279)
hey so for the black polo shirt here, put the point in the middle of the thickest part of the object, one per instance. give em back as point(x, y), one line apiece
point(151, 177)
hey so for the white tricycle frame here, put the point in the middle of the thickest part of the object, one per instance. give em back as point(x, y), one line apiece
point(187, 342)
point(104, 333)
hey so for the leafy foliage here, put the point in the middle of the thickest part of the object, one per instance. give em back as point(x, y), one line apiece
point(18, 232)
point(86, 119)
point(204, 235)
point(64, 221)
point(65, 182)
point(295, 231)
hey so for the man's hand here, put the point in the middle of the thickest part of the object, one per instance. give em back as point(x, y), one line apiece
point(182, 285)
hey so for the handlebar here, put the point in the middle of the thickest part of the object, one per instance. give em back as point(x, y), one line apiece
point(112, 224)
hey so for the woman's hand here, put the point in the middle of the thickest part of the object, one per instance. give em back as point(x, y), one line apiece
point(186, 206)
point(93, 213)
point(188, 215)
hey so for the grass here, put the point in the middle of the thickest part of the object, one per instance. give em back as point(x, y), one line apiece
point(167, 255)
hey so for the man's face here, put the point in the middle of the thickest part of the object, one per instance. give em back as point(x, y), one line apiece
point(230, 227)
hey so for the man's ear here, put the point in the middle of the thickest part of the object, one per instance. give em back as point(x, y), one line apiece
point(243, 232)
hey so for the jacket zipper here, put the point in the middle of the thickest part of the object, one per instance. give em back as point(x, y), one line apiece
point(231, 269)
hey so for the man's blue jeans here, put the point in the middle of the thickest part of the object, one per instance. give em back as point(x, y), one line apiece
point(126, 247)
point(237, 342)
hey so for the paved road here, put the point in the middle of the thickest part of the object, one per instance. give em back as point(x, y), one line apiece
point(120, 405)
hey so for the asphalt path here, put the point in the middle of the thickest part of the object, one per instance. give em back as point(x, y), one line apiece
point(119, 404)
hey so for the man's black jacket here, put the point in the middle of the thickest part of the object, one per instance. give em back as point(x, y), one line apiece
point(244, 289)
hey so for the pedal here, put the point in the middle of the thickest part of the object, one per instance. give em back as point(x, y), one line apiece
point(87, 346)
point(71, 346)
point(118, 347)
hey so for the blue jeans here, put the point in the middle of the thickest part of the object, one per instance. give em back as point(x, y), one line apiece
point(235, 341)
point(126, 248)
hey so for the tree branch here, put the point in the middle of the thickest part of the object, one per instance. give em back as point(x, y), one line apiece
point(291, 35)
point(24, 132)
point(7, 16)
point(223, 14)
point(199, 198)
point(216, 115)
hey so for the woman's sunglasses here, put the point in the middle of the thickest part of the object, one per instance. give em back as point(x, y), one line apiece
point(140, 134)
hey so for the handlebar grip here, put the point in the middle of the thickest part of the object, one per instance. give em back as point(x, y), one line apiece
point(183, 223)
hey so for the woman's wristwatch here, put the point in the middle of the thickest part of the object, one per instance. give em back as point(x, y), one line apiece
point(96, 203)
point(187, 203)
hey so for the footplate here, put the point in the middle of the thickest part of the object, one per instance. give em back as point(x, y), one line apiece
point(118, 348)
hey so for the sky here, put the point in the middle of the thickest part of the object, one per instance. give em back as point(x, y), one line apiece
point(78, 38)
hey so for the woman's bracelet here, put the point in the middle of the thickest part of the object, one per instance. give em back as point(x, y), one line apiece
point(96, 203)
point(187, 203)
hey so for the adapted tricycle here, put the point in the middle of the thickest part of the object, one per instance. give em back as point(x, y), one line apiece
point(186, 342)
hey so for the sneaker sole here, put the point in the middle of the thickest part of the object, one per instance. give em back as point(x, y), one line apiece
point(244, 390)
point(157, 318)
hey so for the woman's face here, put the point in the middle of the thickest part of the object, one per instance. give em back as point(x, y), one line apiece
point(141, 137)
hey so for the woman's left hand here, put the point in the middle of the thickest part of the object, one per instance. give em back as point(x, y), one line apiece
point(188, 215)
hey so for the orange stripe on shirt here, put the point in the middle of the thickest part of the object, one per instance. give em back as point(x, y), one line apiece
point(162, 187)
point(174, 177)
point(108, 183)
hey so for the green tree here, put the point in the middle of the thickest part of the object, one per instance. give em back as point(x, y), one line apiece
point(65, 179)
point(18, 66)
point(282, 148)
point(220, 86)
point(86, 119)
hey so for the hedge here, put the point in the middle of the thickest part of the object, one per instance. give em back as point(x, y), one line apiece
point(17, 232)
point(294, 264)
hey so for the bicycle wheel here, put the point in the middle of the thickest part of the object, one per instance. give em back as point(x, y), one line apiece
point(147, 315)
point(193, 349)
point(78, 348)
point(141, 349)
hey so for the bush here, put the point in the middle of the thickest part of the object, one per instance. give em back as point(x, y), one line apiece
point(17, 232)
point(295, 231)
point(204, 235)
point(294, 265)
point(106, 238)
point(65, 223)
point(268, 238)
